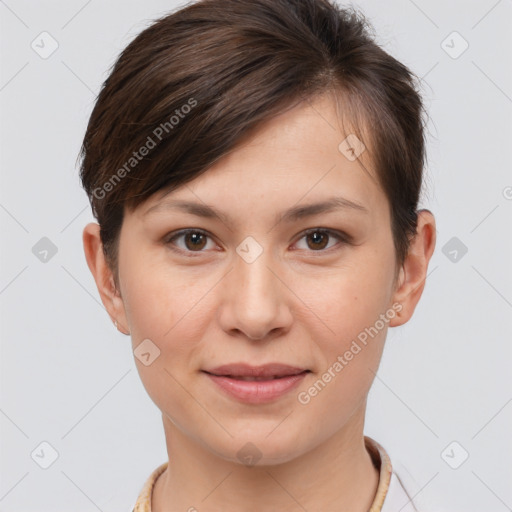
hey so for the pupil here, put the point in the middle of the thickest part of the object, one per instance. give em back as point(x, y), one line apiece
point(195, 238)
point(315, 236)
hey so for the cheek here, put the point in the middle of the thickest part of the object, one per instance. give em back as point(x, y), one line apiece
point(348, 304)
point(172, 309)
point(158, 297)
point(166, 309)
point(350, 350)
point(347, 300)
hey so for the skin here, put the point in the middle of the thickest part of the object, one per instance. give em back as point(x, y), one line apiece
point(301, 302)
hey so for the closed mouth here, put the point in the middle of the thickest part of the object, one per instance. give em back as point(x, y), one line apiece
point(257, 378)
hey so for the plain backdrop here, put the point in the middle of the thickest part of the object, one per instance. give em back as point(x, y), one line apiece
point(441, 402)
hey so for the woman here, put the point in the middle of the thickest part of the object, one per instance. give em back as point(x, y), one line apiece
point(255, 168)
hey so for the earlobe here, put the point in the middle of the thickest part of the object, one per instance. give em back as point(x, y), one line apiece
point(413, 273)
point(93, 249)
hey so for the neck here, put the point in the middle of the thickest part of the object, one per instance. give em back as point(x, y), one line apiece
point(336, 475)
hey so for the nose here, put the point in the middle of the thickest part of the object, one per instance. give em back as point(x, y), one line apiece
point(255, 300)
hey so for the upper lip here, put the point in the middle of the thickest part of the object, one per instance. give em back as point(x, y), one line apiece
point(247, 370)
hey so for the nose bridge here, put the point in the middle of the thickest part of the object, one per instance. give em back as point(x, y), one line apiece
point(253, 300)
point(254, 282)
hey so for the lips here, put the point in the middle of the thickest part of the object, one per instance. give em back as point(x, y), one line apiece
point(244, 371)
point(256, 384)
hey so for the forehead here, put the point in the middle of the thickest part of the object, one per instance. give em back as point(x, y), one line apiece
point(302, 155)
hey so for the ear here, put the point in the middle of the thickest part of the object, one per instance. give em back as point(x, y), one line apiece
point(103, 276)
point(413, 273)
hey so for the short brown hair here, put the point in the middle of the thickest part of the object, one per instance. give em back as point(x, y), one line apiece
point(197, 81)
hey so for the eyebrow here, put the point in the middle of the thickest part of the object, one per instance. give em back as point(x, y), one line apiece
point(293, 214)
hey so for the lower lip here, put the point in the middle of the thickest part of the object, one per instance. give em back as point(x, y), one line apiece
point(257, 391)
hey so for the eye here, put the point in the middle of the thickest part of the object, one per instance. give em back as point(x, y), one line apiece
point(319, 238)
point(194, 240)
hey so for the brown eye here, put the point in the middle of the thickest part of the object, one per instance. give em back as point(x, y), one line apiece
point(317, 240)
point(193, 241)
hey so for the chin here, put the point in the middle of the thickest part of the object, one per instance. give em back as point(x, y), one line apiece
point(256, 447)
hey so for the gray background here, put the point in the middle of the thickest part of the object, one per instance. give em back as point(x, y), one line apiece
point(68, 377)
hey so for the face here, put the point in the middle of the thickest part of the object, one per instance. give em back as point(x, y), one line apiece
point(312, 290)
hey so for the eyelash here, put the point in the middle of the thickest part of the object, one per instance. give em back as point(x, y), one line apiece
point(342, 237)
